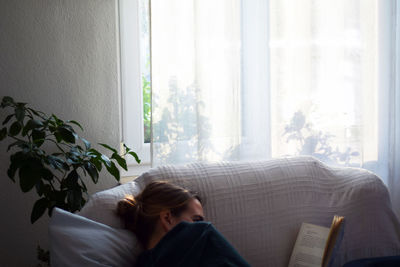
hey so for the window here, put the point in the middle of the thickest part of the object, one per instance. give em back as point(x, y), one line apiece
point(238, 79)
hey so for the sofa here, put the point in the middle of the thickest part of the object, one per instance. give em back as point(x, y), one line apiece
point(258, 206)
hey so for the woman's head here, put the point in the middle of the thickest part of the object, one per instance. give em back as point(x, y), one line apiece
point(159, 207)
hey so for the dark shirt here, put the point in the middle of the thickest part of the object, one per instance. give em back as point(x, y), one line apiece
point(192, 244)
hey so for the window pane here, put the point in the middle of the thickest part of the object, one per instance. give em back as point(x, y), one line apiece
point(323, 80)
point(145, 66)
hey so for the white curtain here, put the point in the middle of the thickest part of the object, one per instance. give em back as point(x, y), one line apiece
point(196, 80)
point(256, 79)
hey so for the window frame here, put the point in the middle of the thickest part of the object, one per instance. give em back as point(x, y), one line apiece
point(132, 127)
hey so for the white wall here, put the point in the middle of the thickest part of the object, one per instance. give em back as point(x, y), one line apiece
point(61, 57)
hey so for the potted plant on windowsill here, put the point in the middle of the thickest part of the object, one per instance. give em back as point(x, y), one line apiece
point(50, 157)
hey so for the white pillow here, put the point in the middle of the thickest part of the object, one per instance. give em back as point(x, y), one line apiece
point(78, 241)
point(102, 206)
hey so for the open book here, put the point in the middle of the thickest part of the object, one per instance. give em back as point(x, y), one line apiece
point(316, 245)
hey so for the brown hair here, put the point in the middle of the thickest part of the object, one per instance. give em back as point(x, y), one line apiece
point(141, 213)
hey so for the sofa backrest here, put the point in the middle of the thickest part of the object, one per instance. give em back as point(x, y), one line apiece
point(259, 206)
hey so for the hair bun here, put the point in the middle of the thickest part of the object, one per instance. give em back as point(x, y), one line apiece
point(127, 209)
point(131, 200)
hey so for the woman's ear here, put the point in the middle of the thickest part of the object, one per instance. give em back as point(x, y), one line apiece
point(166, 220)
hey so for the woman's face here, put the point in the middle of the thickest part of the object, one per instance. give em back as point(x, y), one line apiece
point(193, 213)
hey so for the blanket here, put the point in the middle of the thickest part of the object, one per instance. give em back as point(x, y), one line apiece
point(192, 244)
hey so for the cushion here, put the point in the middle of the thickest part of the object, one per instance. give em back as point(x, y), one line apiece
point(102, 206)
point(259, 206)
point(78, 241)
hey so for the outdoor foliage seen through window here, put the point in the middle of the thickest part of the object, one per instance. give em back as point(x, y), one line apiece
point(145, 66)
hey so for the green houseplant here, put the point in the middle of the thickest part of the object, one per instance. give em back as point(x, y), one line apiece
point(51, 158)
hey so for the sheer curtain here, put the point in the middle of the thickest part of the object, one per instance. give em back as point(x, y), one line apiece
point(256, 79)
point(196, 80)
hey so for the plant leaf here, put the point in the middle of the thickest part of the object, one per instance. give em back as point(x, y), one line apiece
point(91, 169)
point(39, 188)
point(51, 207)
point(42, 188)
point(12, 169)
point(66, 134)
point(17, 160)
point(29, 174)
point(23, 145)
point(72, 180)
point(76, 123)
point(106, 160)
point(58, 136)
point(59, 196)
point(76, 151)
point(57, 121)
point(20, 112)
point(46, 174)
point(8, 118)
point(74, 199)
point(121, 161)
point(3, 133)
point(108, 147)
point(38, 137)
point(113, 170)
point(15, 128)
point(86, 142)
point(37, 113)
point(39, 208)
point(93, 153)
point(135, 156)
point(83, 186)
point(52, 128)
point(7, 101)
point(57, 163)
point(127, 149)
point(96, 163)
point(31, 124)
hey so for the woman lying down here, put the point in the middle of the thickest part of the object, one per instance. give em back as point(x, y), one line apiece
point(168, 221)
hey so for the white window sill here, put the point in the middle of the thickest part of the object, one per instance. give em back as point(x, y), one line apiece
point(134, 171)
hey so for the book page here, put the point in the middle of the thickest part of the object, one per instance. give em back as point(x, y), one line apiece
point(309, 247)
